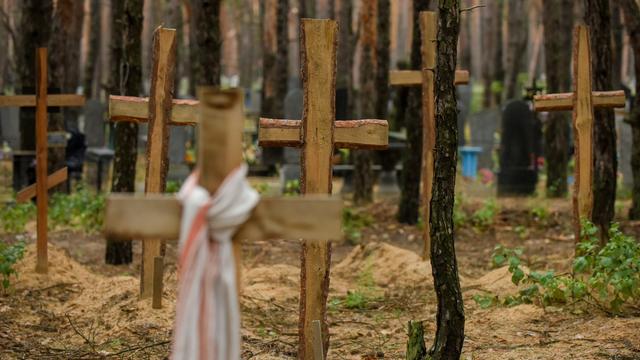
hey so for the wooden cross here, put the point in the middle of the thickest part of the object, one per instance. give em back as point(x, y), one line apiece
point(426, 78)
point(41, 100)
point(582, 101)
point(157, 216)
point(318, 133)
point(160, 110)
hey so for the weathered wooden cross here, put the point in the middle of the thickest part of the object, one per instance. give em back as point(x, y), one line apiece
point(582, 101)
point(41, 100)
point(318, 133)
point(157, 216)
point(160, 110)
point(426, 78)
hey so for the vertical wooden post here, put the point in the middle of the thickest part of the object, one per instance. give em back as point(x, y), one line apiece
point(158, 267)
point(428, 28)
point(160, 103)
point(41, 159)
point(220, 138)
point(583, 126)
point(318, 346)
point(318, 43)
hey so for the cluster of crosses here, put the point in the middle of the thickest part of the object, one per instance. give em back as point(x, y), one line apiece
point(315, 217)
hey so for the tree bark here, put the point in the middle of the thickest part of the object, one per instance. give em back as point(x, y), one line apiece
point(631, 13)
point(450, 313)
point(598, 18)
point(383, 58)
point(412, 161)
point(35, 31)
point(344, 76)
point(282, 63)
point(126, 72)
point(557, 49)
point(91, 80)
point(64, 69)
point(206, 48)
point(307, 9)
point(617, 35)
point(269, 58)
point(363, 173)
point(516, 46)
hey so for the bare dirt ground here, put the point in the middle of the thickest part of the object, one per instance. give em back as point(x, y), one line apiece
point(85, 309)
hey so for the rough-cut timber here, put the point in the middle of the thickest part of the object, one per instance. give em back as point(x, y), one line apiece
point(56, 178)
point(631, 13)
point(450, 313)
point(160, 105)
point(41, 159)
point(605, 160)
point(557, 15)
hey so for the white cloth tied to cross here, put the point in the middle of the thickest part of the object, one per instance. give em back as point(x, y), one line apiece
point(207, 315)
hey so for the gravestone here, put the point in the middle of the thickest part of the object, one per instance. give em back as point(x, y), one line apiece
point(94, 123)
point(10, 127)
point(519, 149)
point(484, 128)
point(178, 137)
point(464, 108)
point(290, 169)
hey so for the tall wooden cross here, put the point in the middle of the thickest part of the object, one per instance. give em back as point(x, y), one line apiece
point(582, 101)
point(426, 79)
point(160, 110)
point(157, 216)
point(318, 133)
point(41, 100)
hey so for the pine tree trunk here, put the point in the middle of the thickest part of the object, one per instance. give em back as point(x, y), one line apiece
point(282, 63)
point(598, 18)
point(631, 13)
point(126, 72)
point(64, 69)
point(412, 161)
point(516, 46)
point(617, 35)
point(35, 31)
point(307, 9)
point(450, 313)
point(496, 56)
point(363, 172)
point(206, 49)
point(557, 49)
point(344, 75)
point(90, 78)
point(269, 58)
point(383, 58)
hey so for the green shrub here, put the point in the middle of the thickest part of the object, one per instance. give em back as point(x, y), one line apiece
point(10, 254)
point(14, 218)
point(353, 222)
point(608, 275)
point(484, 217)
point(81, 210)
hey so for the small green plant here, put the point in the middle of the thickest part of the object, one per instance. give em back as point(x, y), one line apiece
point(262, 187)
point(79, 210)
point(522, 231)
point(609, 275)
point(459, 216)
point(10, 254)
point(540, 213)
point(172, 187)
point(363, 295)
point(484, 217)
point(14, 218)
point(353, 221)
point(292, 187)
point(356, 300)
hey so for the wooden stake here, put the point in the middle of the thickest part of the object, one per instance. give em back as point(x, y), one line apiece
point(41, 159)
point(160, 101)
point(318, 134)
point(426, 78)
point(583, 100)
point(318, 349)
point(158, 267)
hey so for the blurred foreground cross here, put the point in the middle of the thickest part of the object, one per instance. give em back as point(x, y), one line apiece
point(157, 216)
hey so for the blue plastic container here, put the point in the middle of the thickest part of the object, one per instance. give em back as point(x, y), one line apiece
point(470, 161)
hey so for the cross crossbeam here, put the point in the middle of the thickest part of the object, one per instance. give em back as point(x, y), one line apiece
point(41, 100)
point(582, 101)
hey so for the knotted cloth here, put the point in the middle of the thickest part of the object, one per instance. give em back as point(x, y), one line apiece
point(207, 315)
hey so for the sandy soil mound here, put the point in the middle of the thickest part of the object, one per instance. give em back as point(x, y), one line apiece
point(272, 282)
point(496, 282)
point(71, 296)
point(389, 266)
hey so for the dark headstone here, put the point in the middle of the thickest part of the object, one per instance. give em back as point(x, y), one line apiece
point(10, 127)
point(178, 138)
point(94, 123)
point(520, 147)
point(290, 169)
point(484, 127)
